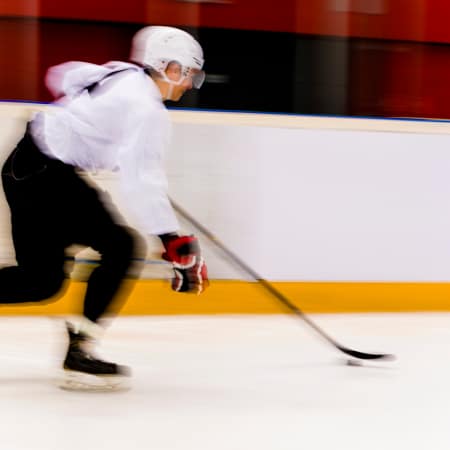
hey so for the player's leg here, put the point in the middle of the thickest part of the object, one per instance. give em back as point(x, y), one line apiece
point(93, 225)
point(107, 288)
point(120, 249)
point(39, 249)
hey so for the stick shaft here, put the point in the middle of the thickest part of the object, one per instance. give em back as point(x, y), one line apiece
point(270, 288)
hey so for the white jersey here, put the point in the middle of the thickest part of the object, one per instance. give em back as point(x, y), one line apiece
point(121, 125)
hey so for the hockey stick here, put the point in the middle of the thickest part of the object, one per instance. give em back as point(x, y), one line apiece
point(275, 292)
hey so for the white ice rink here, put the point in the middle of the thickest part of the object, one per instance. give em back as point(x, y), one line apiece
point(233, 383)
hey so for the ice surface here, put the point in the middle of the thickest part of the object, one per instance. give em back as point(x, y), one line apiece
point(233, 383)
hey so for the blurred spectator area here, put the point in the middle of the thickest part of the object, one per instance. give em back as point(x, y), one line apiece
point(338, 57)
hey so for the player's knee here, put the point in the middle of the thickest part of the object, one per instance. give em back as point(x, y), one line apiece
point(126, 254)
point(124, 243)
point(121, 250)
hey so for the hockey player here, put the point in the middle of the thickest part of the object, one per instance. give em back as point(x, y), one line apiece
point(109, 117)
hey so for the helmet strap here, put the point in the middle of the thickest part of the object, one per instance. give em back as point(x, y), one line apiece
point(171, 84)
point(170, 91)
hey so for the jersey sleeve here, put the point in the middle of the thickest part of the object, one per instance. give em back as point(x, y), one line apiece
point(143, 181)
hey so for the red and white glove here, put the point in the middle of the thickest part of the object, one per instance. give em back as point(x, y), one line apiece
point(191, 274)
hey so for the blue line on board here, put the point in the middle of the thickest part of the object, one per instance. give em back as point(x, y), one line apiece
point(268, 113)
point(97, 261)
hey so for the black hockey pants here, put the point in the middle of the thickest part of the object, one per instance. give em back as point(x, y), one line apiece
point(52, 207)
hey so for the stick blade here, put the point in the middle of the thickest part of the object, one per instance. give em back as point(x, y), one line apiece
point(368, 356)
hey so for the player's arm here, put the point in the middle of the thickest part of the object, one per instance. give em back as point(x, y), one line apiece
point(144, 187)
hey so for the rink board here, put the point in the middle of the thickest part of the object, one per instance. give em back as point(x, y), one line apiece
point(365, 204)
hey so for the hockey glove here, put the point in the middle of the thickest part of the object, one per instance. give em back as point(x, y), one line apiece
point(190, 272)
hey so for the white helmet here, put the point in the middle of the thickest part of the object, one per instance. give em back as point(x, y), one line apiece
point(156, 46)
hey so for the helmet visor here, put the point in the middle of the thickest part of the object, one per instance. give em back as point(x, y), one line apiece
point(178, 73)
point(198, 78)
point(196, 75)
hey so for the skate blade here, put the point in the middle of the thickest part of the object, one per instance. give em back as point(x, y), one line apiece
point(84, 382)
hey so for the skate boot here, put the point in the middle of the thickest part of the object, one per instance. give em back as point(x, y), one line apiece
point(83, 371)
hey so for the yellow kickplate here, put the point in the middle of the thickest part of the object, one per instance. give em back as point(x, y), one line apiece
point(154, 297)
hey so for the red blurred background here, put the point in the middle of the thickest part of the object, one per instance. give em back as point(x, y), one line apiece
point(352, 57)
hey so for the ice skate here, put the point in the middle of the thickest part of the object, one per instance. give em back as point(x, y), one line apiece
point(84, 372)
